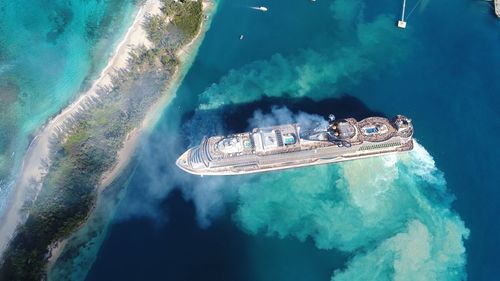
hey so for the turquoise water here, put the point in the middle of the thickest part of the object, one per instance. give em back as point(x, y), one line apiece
point(427, 215)
point(49, 51)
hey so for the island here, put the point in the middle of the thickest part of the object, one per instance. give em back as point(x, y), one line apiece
point(86, 146)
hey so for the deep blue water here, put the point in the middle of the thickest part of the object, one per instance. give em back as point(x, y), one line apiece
point(340, 57)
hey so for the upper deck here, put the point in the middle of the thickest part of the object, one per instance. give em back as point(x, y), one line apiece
point(261, 143)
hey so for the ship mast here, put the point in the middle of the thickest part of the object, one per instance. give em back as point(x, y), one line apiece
point(402, 23)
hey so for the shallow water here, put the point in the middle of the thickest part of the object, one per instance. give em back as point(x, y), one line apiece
point(49, 51)
point(389, 218)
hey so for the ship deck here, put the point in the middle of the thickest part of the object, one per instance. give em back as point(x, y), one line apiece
point(282, 146)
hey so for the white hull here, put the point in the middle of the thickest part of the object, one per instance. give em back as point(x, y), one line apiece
point(291, 146)
point(313, 162)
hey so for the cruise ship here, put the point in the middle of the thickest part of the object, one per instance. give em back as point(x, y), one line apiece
point(293, 146)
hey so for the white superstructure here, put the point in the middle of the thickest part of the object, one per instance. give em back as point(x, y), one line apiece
point(290, 146)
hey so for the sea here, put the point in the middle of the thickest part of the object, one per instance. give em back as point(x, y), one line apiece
point(430, 214)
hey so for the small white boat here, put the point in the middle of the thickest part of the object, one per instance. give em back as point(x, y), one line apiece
point(242, 36)
point(261, 8)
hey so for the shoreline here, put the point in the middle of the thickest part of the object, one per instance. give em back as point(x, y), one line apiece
point(132, 140)
point(152, 116)
point(37, 159)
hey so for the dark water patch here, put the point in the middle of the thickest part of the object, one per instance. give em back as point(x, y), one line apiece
point(97, 26)
point(286, 259)
point(9, 98)
point(8, 93)
point(60, 20)
point(141, 249)
point(234, 118)
point(179, 250)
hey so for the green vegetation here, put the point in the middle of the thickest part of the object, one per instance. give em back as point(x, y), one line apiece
point(82, 156)
point(66, 198)
point(186, 15)
point(177, 25)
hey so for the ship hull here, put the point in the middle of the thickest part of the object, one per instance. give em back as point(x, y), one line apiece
point(312, 162)
point(286, 146)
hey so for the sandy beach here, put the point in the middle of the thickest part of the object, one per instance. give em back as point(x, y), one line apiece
point(185, 55)
point(131, 142)
point(37, 160)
